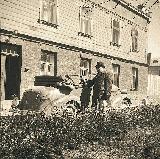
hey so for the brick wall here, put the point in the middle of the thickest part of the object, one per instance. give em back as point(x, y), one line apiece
point(25, 15)
point(68, 62)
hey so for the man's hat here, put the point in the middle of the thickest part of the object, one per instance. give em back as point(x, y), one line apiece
point(100, 64)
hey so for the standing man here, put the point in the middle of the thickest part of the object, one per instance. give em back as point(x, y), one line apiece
point(102, 85)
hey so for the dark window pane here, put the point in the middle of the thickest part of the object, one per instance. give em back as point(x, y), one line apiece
point(42, 67)
point(49, 68)
point(115, 36)
point(134, 34)
point(116, 74)
point(135, 78)
point(43, 57)
point(115, 24)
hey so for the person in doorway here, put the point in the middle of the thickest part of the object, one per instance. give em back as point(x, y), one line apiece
point(102, 85)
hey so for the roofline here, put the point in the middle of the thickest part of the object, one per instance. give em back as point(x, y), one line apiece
point(68, 47)
point(133, 9)
point(126, 5)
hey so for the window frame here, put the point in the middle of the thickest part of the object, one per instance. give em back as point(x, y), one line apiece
point(51, 13)
point(83, 20)
point(48, 63)
point(117, 80)
point(82, 68)
point(134, 36)
point(134, 79)
point(115, 33)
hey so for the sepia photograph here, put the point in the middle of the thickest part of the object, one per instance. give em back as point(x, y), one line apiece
point(80, 79)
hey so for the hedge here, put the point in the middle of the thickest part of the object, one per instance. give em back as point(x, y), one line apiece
point(127, 133)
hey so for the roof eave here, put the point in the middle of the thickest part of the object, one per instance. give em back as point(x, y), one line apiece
point(133, 9)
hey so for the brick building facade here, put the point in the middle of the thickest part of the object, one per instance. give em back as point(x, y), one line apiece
point(57, 37)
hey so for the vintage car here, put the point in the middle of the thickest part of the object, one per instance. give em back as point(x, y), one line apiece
point(66, 98)
point(51, 99)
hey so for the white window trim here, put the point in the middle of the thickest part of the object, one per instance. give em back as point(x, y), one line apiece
point(112, 28)
point(46, 64)
point(87, 69)
point(82, 18)
point(48, 22)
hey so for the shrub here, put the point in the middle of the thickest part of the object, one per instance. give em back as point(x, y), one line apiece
point(128, 133)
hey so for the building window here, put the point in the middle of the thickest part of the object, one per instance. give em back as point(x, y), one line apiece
point(116, 74)
point(48, 12)
point(48, 63)
point(85, 21)
point(116, 33)
point(134, 34)
point(85, 68)
point(135, 78)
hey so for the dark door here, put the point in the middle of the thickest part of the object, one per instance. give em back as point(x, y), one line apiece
point(11, 70)
point(12, 77)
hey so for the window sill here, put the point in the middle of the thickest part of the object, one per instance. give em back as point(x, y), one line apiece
point(115, 44)
point(85, 35)
point(47, 23)
point(136, 51)
point(133, 89)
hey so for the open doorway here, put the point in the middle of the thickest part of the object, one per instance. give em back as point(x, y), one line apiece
point(11, 71)
point(12, 86)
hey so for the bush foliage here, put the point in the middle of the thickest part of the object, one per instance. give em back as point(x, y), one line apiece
point(128, 133)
